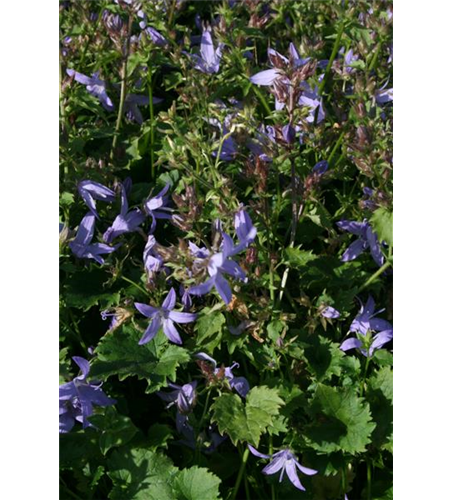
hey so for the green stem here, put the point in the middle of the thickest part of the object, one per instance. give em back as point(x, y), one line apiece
point(67, 490)
point(332, 57)
point(151, 113)
point(363, 381)
point(62, 110)
point(135, 284)
point(270, 450)
point(369, 480)
point(123, 95)
point(374, 58)
point(374, 276)
point(171, 13)
point(338, 143)
point(262, 100)
point(241, 471)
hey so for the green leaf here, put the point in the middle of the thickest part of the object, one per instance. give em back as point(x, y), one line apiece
point(196, 484)
point(381, 222)
point(115, 429)
point(343, 421)
point(247, 422)
point(66, 199)
point(85, 289)
point(324, 358)
point(158, 435)
point(65, 366)
point(299, 258)
point(209, 327)
point(118, 353)
point(380, 397)
point(140, 474)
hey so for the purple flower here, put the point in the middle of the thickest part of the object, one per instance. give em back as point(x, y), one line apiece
point(284, 461)
point(156, 37)
point(364, 323)
point(267, 77)
point(156, 207)
point(280, 64)
point(244, 228)
point(229, 146)
point(330, 312)
point(240, 384)
point(91, 190)
point(185, 298)
point(126, 222)
point(131, 103)
point(77, 398)
point(95, 86)
point(310, 98)
point(209, 59)
point(321, 167)
point(383, 95)
point(217, 265)
point(81, 245)
point(184, 397)
point(164, 316)
point(367, 239)
point(153, 261)
point(350, 58)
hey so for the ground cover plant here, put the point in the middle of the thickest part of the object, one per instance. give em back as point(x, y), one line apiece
point(226, 250)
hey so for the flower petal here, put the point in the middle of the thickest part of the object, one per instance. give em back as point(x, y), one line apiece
point(293, 476)
point(306, 470)
point(275, 465)
point(350, 344)
point(170, 300)
point(181, 317)
point(203, 288)
point(146, 310)
point(266, 77)
point(257, 453)
point(170, 331)
point(83, 364)
point(151, 331)
point(223, 288)
point(354, 250)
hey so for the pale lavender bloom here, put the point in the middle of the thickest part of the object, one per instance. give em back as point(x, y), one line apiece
point(330, 312)
point(185, 298)
point(383, 96)
point(267, 77)
point(350, 57)
point(367, 239)
point(218, 264)
point(311, 99)
point(240, 384)
point(364, 322)
point(198, 252)
point(156, 37)
point(164, 316)
point(368, 202)
point(132, 102)
point(81, 245)
point(184, 397)
point(95, 86)
point(153, 261)
point(78, 397)
point(244, 228)
point(156, 207)
point(91, 191)
point(209, 59)
point(142, 15)
point(284, 461)
point(126, 222)
point(229, 146)
point(320, 167)
point(270, 76)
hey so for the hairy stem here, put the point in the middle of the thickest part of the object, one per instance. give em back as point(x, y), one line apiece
point(240, 474)
point(123, 95)
point(332, 57)
point(374, 276)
